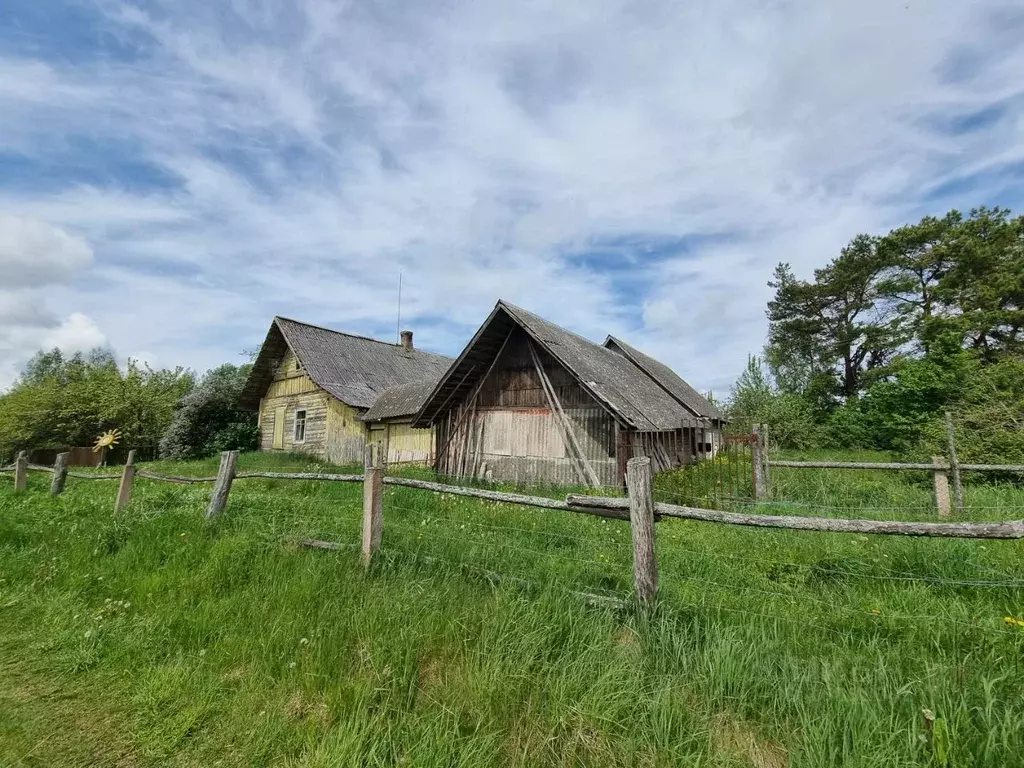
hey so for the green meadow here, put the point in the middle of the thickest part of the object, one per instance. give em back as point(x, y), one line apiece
point(156, 639)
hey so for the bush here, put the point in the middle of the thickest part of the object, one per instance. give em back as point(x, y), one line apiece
point(209, 420)
point(240, 436)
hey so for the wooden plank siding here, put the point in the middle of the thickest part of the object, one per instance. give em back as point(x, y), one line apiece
point(510, 433)
point(346, 434)
point(313, 403)
point(405, 444)
point(290, 391)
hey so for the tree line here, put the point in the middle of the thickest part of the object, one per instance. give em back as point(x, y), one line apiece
point(892, 332)
point(61, 401)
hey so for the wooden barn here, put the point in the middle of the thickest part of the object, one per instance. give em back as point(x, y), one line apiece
point(313, 389)
point(529, 401)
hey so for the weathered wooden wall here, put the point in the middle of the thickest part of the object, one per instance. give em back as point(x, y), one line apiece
point(293, 391)
point(509, 433)
point(405, 444)
point(346, 434)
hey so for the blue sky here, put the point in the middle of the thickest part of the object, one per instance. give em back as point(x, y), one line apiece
point(173, 174)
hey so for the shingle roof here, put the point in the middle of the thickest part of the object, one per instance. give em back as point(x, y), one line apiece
point(626, 390)
point(669, 380)
point(354, 369)
point(400, 400)
point(613, 379)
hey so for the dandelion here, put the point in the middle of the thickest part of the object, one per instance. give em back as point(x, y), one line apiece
point(876, 612)
point(1012, 622)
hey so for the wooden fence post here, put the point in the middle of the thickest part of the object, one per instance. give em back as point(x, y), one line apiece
point(21, 471)
point(757, 460)
point(940, 480)
point(954, 462)
point(641, 525)
point(766, 472)
point(222, 488)
point(124, 491)
point(60, 474)
point(373, 503)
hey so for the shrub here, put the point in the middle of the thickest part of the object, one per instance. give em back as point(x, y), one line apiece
point(209, 418)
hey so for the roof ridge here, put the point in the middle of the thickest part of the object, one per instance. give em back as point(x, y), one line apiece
point(352, 335)
point(580, 336)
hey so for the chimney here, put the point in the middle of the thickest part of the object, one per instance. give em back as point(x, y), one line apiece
point(407, 340)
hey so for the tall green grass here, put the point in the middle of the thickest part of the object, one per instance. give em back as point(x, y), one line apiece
point(154, 639)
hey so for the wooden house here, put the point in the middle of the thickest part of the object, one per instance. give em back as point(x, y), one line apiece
point(313, 387)
point(529, 401)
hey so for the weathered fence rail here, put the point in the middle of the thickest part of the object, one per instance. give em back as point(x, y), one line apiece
point(1008, 529)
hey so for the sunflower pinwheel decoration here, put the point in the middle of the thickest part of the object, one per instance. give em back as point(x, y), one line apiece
point(108, 439)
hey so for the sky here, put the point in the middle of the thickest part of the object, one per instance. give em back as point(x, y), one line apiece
point(174, 174)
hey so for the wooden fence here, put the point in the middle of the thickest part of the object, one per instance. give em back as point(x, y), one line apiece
point(941, 467)
point(638, 509)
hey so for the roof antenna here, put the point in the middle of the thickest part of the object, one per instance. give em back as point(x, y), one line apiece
point(398, 330)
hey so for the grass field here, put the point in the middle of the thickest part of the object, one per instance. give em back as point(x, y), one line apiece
point(156, 640)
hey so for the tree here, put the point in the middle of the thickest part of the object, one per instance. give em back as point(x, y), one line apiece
point(917, 258)
point(826, 334)
point(789, 417)
point(984, 285)
point(61, 401)
point(209, 419)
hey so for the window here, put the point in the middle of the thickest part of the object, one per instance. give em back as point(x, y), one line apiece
point(298, 365)
point(300, 426)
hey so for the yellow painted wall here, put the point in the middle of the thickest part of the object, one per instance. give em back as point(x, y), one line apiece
point(405, 444)
point(346, 434)
point(290, 391)
point(313, 403)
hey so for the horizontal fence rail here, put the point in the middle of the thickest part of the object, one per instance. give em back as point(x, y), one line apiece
point(893, 465)
point(1010, 529)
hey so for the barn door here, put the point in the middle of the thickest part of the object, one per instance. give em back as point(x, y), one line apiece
point(279, 427)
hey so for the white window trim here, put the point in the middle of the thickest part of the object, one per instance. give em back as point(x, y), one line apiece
point(295, 424)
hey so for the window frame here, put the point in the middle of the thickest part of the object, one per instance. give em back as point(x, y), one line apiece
point(295, 425)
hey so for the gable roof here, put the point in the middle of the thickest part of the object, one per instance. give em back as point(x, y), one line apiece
point(354, 369)
point(625, 390)
point(667, 379)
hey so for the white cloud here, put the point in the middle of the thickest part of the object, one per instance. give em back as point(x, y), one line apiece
point(34, 253)
point(77, 333)
point(291, 158)
point(36, 259)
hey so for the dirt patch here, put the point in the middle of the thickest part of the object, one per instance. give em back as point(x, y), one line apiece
point(234, 674)
point(434, 671)
point(302, 708)
point(738, 740)
point(626, 637)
